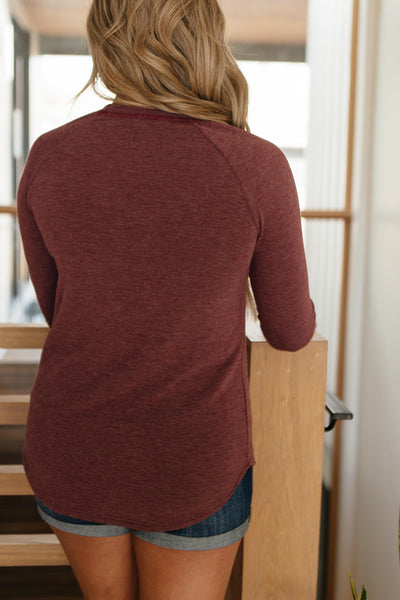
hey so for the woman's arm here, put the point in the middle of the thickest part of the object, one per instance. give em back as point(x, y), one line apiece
point(42, 267)
point(278, 270)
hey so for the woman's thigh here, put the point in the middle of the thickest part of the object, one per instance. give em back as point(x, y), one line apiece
point(193, 562)
point(104, 567)
point(167, 574)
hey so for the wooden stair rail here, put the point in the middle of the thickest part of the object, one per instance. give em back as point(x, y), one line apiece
point(13, 481)
point(14, 409)
point(278, 558)
point(22, 335)
point(34, 549)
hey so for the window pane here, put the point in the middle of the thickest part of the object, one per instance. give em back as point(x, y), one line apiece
point(278, 110)
point(54, 80)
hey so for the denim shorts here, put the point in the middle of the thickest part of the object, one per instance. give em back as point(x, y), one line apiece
point(226, 526)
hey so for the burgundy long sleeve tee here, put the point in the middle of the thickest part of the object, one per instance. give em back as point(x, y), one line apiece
point(140, 228)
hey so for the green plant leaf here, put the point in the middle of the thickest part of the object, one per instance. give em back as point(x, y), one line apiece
point(363, 594)
point(353, 587)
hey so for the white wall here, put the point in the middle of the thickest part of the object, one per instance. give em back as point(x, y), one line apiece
point(370, 481)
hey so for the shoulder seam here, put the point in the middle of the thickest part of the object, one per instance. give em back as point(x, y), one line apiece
point(233, 171)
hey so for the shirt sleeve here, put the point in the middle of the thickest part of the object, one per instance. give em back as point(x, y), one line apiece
point(42, 267)
point(278, 270)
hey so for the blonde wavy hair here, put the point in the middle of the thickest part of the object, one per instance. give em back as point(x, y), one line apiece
point(170, 55)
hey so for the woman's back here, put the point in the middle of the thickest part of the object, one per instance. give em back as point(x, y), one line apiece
point(140, 229)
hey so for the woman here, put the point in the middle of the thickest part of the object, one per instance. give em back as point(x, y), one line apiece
point(141, 225)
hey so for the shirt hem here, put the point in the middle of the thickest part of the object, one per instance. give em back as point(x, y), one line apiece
point(135, 524)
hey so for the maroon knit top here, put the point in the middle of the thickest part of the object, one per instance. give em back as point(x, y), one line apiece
point(140, 228)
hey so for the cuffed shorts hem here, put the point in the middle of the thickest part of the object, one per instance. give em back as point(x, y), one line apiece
point(224, 527)
point(90, 530)
point(159, 538)
point(178, 542)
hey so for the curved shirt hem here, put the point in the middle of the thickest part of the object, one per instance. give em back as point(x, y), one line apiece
point(148, 526)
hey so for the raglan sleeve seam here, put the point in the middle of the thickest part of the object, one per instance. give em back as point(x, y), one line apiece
point(248, 204)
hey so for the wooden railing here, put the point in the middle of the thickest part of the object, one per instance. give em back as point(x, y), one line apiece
point(278, 557)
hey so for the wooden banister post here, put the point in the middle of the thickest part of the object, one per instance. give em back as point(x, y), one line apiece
point(280, 549)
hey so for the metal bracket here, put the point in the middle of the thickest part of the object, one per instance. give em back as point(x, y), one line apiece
point(337, 410)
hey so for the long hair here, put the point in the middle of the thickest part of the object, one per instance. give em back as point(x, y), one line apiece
point(170, 55)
